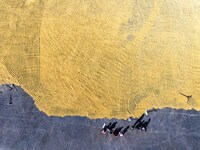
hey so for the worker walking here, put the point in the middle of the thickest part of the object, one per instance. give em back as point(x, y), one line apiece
point(121, 133)
point(117, 130)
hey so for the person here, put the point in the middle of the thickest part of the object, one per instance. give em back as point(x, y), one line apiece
point(111, 127)
point(11, 87)
point(188, 97)
point(105, 128)
point(146, 112)
point(121, 133)
point(139, 125)
point(130, 119)
point(117, 130)
point(144, 126)
point(137, 122)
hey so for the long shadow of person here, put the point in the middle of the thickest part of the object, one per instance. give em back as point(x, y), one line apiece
point(111, 127)
point(117, 130)
point(139, 125)
point(137, 122)
point(105, 128)
point(121, 133)
point(145, 124)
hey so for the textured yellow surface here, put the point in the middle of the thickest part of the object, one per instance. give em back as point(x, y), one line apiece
point(102, 58)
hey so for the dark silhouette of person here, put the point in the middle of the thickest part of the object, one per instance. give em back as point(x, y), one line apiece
point(105, 128)
point(117, 130)
point(145, 124)
point(139, 125)
point(11, 87)
point(111, 127)
point(10, 100)
point(137, 122)
point(188, 97)
point(121, 133)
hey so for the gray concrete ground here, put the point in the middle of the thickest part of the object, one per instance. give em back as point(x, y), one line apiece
point(24, 127)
